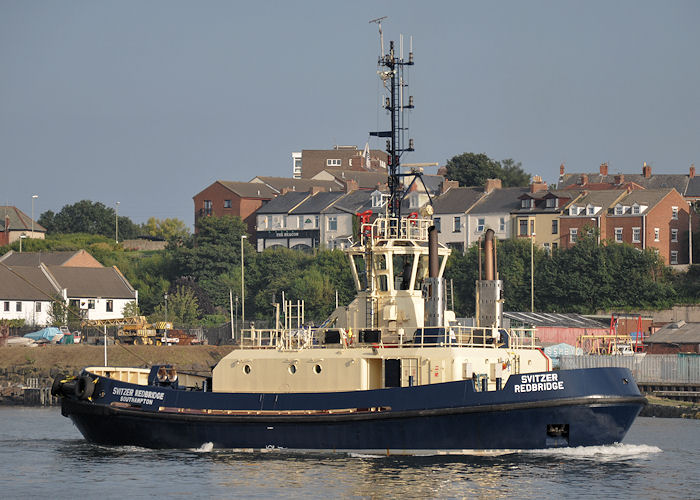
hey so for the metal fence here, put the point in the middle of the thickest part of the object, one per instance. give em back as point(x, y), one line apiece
point(648, 368)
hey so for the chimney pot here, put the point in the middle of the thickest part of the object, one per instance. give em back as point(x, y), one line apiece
point(561, 169)
point(646, 170)
point(604, 169)
point(691, 173)
point(492, 184)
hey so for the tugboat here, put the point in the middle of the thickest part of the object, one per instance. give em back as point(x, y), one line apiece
point(392, 372)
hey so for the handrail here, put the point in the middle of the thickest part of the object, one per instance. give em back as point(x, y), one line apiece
point(452, 336)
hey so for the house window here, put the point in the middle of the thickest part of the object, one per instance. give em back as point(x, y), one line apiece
point(526, 203)
point(480, 224)
point(674, 235)
point(573, 210)
point(555, 226)
point(376, 199)
point(656, 234)
point(18, 307)
point(502, 224)
point(523, 227)
point(618, 210)
point(37, 307)
point(591, 210)
point(316, 222)
point(91, 303)
point(7, 306)
point(436, 223)
point(110, 306)
point(618, 234)
point(636, 234)
point(674, 257)
point(547, 247)
point(333, 223)
point(551, 203)
point(555, 246)
point(227, 203)
point(457, 225)
point(333, 162)
point(573, 234)
point(635, 209)
point(674, 213)
point(207, 207)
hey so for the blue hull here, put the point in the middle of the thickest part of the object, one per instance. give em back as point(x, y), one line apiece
point(579, 408)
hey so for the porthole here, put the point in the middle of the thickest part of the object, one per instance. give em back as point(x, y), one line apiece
point(292, 369)
point(246, 369)
point(317, 369)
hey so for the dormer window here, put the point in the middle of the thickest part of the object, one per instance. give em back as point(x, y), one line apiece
point(590, 210)
point(551, 202)
point(376, 199)
point(619, 210)
point(526, 203)
point(333, 162)
point(573, 210)
point(636, 209)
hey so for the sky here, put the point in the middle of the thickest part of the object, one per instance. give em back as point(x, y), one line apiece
point(148, 103)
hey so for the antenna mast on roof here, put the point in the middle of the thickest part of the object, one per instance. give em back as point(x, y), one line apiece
point(381, 35)
point(391, 72)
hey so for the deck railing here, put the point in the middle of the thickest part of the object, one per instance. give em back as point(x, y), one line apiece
point(454, 336)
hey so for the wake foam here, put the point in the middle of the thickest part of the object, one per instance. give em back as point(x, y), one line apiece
point(205, 448)
point(615, 451)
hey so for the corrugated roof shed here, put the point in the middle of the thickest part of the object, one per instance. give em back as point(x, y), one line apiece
point(676, 333)
point(563, 320)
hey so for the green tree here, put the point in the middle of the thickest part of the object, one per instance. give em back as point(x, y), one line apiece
point(88, 217)
point(183, 307)
point(168, 229)
point(472, 169)
point(131, 309)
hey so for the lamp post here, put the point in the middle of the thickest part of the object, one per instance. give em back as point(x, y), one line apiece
point(532, 272)
point(166, 307)
point(243, 237)
point(236, 312)
point(34, 197)
point(116, 231)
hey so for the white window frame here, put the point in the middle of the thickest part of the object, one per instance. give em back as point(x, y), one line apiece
point(636, 235)
point(590, 210)
point(619, 235)
point(657, 233)
point(457, 224)
point(573, 234)
point(480, 224)
point(674, 235)
point(502, 224)
point(526, 203)
point(674, 257)
point(674, 213)
point(619, 210)
point(332, 222)
point(333, 162)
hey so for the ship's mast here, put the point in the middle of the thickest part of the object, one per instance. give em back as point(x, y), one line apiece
point(392, 70)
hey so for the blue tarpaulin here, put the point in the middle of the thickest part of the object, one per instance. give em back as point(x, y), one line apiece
point(47, 333)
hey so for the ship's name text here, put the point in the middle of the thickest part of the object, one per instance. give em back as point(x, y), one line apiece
point(137, 396)
point(539, 382)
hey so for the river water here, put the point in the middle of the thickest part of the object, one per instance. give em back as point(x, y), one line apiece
point(42, 455)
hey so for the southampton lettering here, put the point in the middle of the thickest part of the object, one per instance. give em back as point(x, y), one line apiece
point(539, 382)
point(138, 396)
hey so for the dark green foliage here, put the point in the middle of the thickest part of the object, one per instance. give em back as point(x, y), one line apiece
point(88, 217)
point(472, 169)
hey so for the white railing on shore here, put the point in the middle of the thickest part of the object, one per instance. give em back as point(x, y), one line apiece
point(454, 336)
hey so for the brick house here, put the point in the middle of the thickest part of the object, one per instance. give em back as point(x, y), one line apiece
point(587, 213)
point(239, 199)
point(310, 162)
point(15, 224)
point(647, 218)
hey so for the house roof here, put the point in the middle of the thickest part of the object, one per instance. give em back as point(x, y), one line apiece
point(693, 190)
point(26, 283)
point(353, 202)
point(19, 221)
point(283, 203)
point(503, 200)
point(317, 203)
point(649, 197)
point(105, 282)
point(655, 181)
point(676, 333)
point(249, 189)
point(12, 258)
point(457, 200)
point(598, 198)
point(279, 183)
point(364, 179)
point(568, 320)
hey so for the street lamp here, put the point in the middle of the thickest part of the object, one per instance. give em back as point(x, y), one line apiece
point(116, 230)
point(243, 237)
point(532, 272)
point(34, 197)
point(166, 307)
